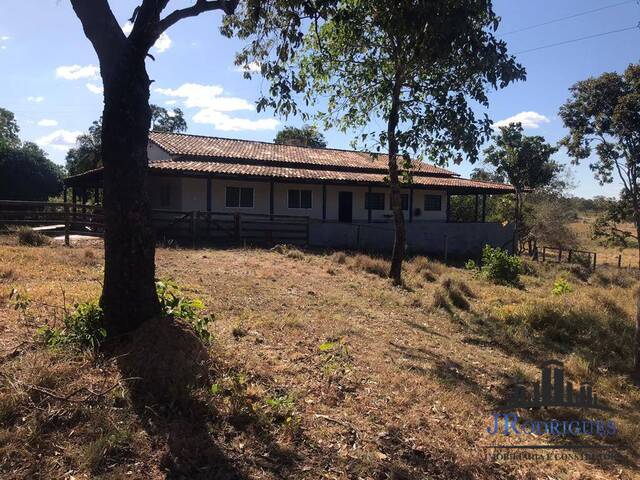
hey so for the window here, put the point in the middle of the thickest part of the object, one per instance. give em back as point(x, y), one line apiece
point(432, 203)
point(299, 199)
point(239, 197)
point(165, 195)
point(374, 201)
point(404, 197)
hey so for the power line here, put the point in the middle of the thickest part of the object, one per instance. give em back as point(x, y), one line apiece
point(634, 27)
point(530, 27)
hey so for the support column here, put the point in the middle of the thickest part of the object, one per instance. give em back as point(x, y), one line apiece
point(271, 185)
point(209, 194)
point(484, 207)
point(448, 207)
point(411, 204)
point(64, 194)
point(369, 206)
point(324, 202)
point(477, 205)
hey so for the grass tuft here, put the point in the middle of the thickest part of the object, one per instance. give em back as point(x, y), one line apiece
point(30, 237)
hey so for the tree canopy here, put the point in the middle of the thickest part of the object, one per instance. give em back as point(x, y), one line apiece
point(168, 122)
point(524, 161)
point(307, 136)
point(417, 66)
point(25, 171)
point(8, 130)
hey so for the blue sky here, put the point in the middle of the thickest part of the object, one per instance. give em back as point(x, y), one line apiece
point(49, 79)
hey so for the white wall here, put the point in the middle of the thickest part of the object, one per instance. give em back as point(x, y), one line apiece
point(154, 152)
point(190, 193)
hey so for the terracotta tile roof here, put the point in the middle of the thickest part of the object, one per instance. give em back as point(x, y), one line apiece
point(226, 149)
point(267, 171)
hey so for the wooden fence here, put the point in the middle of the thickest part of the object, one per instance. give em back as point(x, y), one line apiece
point(196, 226)
point(567, 255)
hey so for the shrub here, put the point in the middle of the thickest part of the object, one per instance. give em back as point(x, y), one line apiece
point(561, 286)
point(31, 237)
point(426, 268)
point(600, 334)
point(499, 266)
point(377, 266)
point(471, 265)
point(458, 291)
point(83, 328)
point(339, 258)
point(176, 305)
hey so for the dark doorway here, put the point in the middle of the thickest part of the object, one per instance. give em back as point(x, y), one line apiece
point(345, 207)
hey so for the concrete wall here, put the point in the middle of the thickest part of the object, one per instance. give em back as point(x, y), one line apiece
point(461, 239)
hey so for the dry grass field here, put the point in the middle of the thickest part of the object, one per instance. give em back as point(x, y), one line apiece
point(583, 228)
point(321, 370)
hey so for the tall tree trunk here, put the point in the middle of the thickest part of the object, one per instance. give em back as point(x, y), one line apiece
point(128, 296)
point(636, 344)
point(396, 201)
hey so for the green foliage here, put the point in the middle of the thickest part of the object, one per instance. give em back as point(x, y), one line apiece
point(26, 173)
point(167, 122)
point(434, 58)
point(307, 136)
point(8, 131)
point(29, 236)
point(83, 329)
point(471, 265)
point(499, 266)
point(176, 305)
point(87, 153)
point(561, 286)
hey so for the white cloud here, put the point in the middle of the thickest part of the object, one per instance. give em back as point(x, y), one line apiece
point(253, 67)
point(222, 121)
point(170, 102)
point(4, 38)
point(527, 119)
point(3, 47)
point(59, 140)
point(162, 44)
point(46, 122)
point(93, 88)
point(35, 99)
point(211, 103)
point(206, 96)
point(75, 72)
point(127, 28)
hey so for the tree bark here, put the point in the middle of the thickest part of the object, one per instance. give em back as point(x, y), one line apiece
point(636, 343)
point(128, 296)
point(397, 256)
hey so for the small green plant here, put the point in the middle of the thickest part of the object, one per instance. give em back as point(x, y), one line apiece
point(561, 286)
point(176, 305)
point(471, 265)
point(21, 302)
point(31, 237)
point(83, 328)
point(499, 266)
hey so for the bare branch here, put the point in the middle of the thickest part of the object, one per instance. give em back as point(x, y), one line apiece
point(201, 6)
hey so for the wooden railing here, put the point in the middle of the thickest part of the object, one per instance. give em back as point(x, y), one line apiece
point(197, 226)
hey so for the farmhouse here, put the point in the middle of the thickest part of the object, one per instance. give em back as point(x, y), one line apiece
point(227, 188)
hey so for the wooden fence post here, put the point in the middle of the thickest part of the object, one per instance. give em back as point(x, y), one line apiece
point(544, 254)
point(594, 260)
point(66, 224)
point(569, 256)
point(619, 260)
point(560, 255)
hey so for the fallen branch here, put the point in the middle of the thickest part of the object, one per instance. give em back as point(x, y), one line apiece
point(347, 425)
